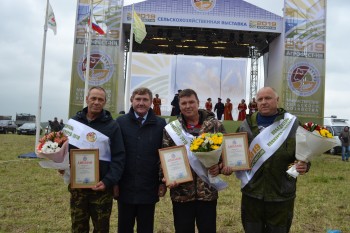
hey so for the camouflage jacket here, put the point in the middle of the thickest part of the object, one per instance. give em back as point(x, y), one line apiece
point(197, 189)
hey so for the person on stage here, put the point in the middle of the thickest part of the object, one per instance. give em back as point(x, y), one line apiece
point(209, 105)
point(228, 110)
point(242, 107)
point(219, 108)
point(253, 107)
point(156, 105)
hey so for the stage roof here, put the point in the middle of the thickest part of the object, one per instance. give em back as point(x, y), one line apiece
point(200, 41)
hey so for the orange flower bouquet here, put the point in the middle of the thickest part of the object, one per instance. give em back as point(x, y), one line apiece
point(53, 146)
point(311, 140)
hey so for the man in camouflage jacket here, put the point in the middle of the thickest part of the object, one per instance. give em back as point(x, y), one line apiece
point(194, 202)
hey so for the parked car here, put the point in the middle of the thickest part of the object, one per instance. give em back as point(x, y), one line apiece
point(28, 128)
point(335, 126)
point(7, 126)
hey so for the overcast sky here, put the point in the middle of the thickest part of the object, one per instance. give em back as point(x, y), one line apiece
point(21, 42)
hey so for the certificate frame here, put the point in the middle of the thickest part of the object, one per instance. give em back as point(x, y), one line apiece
point(84, 168)
point(175, 164)
point(235, 151)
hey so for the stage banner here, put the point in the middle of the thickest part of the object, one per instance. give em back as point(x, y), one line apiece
point(304, 58)
point(210, 77)
point(218, 14)
point(105, 55)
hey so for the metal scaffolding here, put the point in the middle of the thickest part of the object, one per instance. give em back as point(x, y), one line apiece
point(253, 55)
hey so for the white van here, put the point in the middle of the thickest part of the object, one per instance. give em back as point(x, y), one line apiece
point(335, 126)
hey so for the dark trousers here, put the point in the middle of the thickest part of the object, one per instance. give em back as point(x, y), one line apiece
point(201, 213)
point(219, 116)
point(259, 216)
point(86, 204)
point(142, 213)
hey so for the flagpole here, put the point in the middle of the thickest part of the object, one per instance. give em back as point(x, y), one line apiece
point(128, 69)
point(38, 115)
point(87, 66)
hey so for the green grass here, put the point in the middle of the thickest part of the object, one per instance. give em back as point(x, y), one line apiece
point(33, 199)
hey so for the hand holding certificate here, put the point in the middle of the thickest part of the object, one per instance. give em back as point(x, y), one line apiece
point(236, 151)
point(175, 164)
point(84, 168)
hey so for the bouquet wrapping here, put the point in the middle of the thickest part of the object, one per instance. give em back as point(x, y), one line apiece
point(209, 158)
point(57, 156)
point(53, 146)
point(310, 144)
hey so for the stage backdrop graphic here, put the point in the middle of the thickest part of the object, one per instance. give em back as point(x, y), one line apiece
point(304, 58)
point(105, 56)
point(209, 76)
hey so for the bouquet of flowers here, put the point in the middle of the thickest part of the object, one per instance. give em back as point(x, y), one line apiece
point(53, 146)
point(207, 148)
point(311, 140)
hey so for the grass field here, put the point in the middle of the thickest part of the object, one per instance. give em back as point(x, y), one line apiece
point(33, 199)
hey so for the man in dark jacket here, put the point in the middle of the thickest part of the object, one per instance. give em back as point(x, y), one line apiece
point(175, 111)
point(345, 143)
point(219, 109)
point(268, 192)
point(141, 185)
point(96, 203)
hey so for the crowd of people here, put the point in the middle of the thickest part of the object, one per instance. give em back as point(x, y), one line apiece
point(130, 170)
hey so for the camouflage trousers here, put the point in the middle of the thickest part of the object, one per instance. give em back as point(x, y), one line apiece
point(86, 204)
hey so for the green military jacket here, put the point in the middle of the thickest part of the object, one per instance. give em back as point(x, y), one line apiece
point(271, 182)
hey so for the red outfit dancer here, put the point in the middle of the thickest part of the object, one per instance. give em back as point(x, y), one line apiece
point(253, 107)
point(241, 108)
point(228, 110)
point(208, 105)
point(156, 105)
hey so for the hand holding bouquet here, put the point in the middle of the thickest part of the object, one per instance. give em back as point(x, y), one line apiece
point(53, 146)
point(207, 148)
point(311, 140)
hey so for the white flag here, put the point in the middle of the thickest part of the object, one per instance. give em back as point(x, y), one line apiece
point(51, 21)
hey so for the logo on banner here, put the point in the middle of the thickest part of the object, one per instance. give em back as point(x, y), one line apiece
point(304, 79)
point(91, 137)
point(101, 68)
point(203, 5)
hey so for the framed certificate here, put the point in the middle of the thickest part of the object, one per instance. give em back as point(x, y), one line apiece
point(235, 151)
point(175, 164)
point(84, 168)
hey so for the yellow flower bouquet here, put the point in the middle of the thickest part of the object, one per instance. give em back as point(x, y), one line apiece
point(311, 140)
point(207, 148)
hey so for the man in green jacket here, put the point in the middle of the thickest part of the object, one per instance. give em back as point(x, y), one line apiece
point(268, 192)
